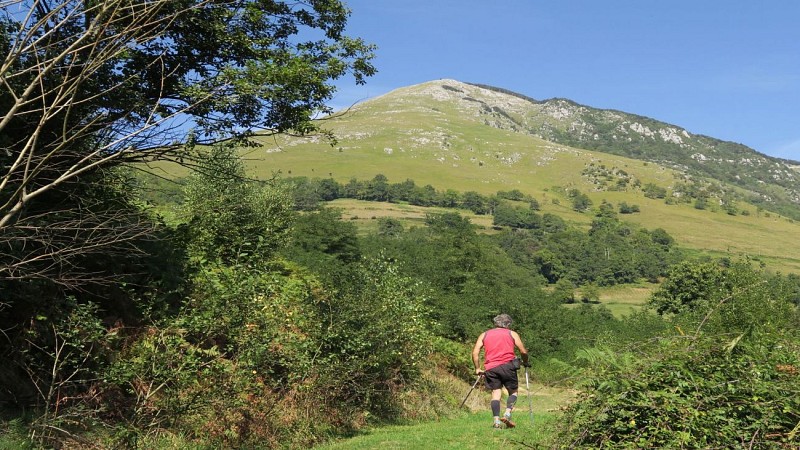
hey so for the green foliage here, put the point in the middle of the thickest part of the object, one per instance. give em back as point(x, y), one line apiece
point(320, 236)
point(246, 339)
point(590, 293)
point(306, 194)
point(652, 190)
point(61, 357)
point(129, 73)
point(388, 226)
point(580, 201)
point(509, 216)
point(564, 291)
point(689, 285)
point(610, 253)
point(474, 202)
point(377, 332)
point(625, 208)
point(724, 376)
point(162, 375)
point(230, 218)
point(514, 194)
point(706, 397)
point(262, 318)
point(472, 279)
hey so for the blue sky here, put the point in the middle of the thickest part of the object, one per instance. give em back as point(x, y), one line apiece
point(726, 69)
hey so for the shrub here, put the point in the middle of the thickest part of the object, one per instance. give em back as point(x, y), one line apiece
point(378, 334)
point(692, 394)
point(726, 376)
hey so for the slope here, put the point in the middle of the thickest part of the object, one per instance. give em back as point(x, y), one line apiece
point(453, 135)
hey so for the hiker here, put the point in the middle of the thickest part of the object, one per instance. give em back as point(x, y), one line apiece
point(500, 365)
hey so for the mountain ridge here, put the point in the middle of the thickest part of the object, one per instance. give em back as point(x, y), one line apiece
point(613, 110)
point(773, 182)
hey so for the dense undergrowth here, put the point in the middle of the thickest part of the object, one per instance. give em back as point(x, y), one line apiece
point(725, 374)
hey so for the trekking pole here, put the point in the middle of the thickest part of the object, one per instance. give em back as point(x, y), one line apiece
point(530, 400)
point(470, 391)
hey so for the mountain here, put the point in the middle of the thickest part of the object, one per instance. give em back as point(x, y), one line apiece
point(770, 183)
point(711, 195)
point(774, 182)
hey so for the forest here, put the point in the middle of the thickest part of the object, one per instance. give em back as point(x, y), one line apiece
point(256, 317)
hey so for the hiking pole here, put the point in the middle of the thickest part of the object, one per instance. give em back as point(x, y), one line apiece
point(528, 388)
point(470, 391)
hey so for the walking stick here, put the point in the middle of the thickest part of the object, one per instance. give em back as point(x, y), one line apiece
point(530, 400)
point(470, 391)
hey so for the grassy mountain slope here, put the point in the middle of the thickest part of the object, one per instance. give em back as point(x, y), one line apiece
point(773, 182)
point(454, 135)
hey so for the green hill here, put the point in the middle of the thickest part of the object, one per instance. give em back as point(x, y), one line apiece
point(454, 135)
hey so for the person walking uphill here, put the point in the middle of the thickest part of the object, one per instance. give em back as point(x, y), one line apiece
point(500, 365)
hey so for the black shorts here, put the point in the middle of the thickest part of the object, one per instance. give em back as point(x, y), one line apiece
point(502, 375)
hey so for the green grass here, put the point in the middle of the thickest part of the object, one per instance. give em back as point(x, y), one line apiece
point(471, 431)
point(366, 214)
point(623, 299)
point(544, 170)
point(13, 443)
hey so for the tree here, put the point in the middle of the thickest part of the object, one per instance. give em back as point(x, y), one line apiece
point(230, 218)
point(475, 202)
point(625, 208)
point(389, 227)
point(329, 189)
point(89, 85)
point(378, 188)
point(590, 293)
point(322, 236)
point(654, 191)
point(423, 196)
point(564, 291)
point(506, 216)
point(689, 286)
point(306, 193)
point(580, 201)
point(354, 189)
point(451, 198)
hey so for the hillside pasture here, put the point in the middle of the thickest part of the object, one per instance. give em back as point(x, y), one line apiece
point(366, 214)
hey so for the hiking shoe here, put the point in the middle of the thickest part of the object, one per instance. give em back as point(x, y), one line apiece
point(497, 425)
point(507, 420)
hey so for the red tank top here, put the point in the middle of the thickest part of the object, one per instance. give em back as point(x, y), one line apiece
point(499, 347)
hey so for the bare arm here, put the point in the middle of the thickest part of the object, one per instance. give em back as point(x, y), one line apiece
point(476, 354)
point(520, 346)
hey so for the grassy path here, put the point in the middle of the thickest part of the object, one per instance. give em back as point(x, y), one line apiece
point(470, 430)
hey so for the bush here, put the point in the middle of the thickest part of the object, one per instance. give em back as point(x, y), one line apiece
point(378, 334)
point(692, 395)
point(726, 376)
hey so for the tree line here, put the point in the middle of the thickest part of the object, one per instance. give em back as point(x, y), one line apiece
point(611, 252)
